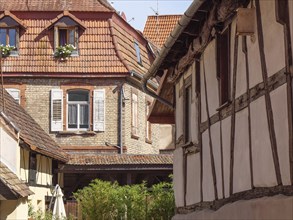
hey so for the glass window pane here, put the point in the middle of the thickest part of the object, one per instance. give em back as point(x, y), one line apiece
point(72, 116)
point(2, 36)
point(137, 50)
point(71, 36)
point(84, 116)
point(62, 37)
point(12, 37)
point(78, 96)
point(14, 93)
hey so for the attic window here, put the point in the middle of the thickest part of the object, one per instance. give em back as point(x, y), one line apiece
point(9, 33)
point(66, 32)
point(137, 50)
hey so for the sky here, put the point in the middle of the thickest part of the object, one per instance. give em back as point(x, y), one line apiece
point(136, 11)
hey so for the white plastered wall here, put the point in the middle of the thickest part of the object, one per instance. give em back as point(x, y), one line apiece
point(178, 177)
point(266, 208)
point(241, 63)
point(9, 148)
point(226, 131)
point(211, 79)
point(193, 179)
point(273, 38)
point(216, 141)
point(279, 106)
point(208, 186)
point(241, 172)
point(263, 167)
point(14, 209)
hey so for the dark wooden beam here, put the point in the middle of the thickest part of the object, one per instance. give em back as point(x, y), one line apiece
point(269, 110)
point(162, 119)
point(274, 82)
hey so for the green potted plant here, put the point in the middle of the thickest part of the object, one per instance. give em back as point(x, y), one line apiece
point(62, 52)
point(6, 49)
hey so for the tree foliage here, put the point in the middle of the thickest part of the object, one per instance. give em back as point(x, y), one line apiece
point(103, 200)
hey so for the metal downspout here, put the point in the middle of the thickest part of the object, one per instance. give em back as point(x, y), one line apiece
point(120, 103)
point(183, 22)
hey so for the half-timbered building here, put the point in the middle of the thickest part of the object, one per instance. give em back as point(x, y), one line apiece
point(27, 159)
point(227, 71)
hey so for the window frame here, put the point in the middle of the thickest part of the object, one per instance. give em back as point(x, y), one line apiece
point(148, 125)
point(8, 89)
point(78, 103)
point(187, 109)
point(223, 56)
point(57, 28)
point(137, 52)
point(15, 51)
point(33, 161)
point(134, 119)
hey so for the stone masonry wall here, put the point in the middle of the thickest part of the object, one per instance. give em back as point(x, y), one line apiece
point(139, 144)
point(37, 94)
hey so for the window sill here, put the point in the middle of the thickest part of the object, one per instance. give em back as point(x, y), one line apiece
point(226, 104)
point(13, 54)
point(135, 136)
point(77, 133)
point(148, 141)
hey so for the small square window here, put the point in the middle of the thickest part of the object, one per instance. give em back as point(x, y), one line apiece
point(137, 50)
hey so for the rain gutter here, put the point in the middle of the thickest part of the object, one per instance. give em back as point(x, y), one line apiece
point(182, 24)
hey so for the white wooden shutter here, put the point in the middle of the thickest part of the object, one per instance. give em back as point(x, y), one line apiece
point(56, 110)
point(15, 93)
point(99, 110)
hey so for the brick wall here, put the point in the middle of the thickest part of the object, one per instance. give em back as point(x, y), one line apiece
point(37, 97)
point(139, 144)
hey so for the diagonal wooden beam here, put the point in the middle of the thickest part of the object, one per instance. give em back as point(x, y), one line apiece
point(267, 94)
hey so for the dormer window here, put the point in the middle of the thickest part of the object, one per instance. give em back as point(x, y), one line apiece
point(66, 32)
point(9, 31)
point(66, 28)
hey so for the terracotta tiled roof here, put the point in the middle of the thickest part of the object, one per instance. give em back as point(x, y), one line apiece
point(98, 53)
point(31, 132)
point(158, 28)
point(125, 44)
point(117, 159)
point(14, 185)
point(56, 5)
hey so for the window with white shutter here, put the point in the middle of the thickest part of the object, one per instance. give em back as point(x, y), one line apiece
point(56, 110)
point(99, 110)
point(78, 110)
point(15, 93)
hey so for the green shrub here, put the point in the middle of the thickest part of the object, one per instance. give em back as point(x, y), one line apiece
point(106, 201)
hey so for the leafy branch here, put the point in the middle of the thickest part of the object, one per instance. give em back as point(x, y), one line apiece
point(65, 51)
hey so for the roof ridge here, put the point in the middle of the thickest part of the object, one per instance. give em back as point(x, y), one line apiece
point(165, 15)
point(116, 45)
point(107, 4)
